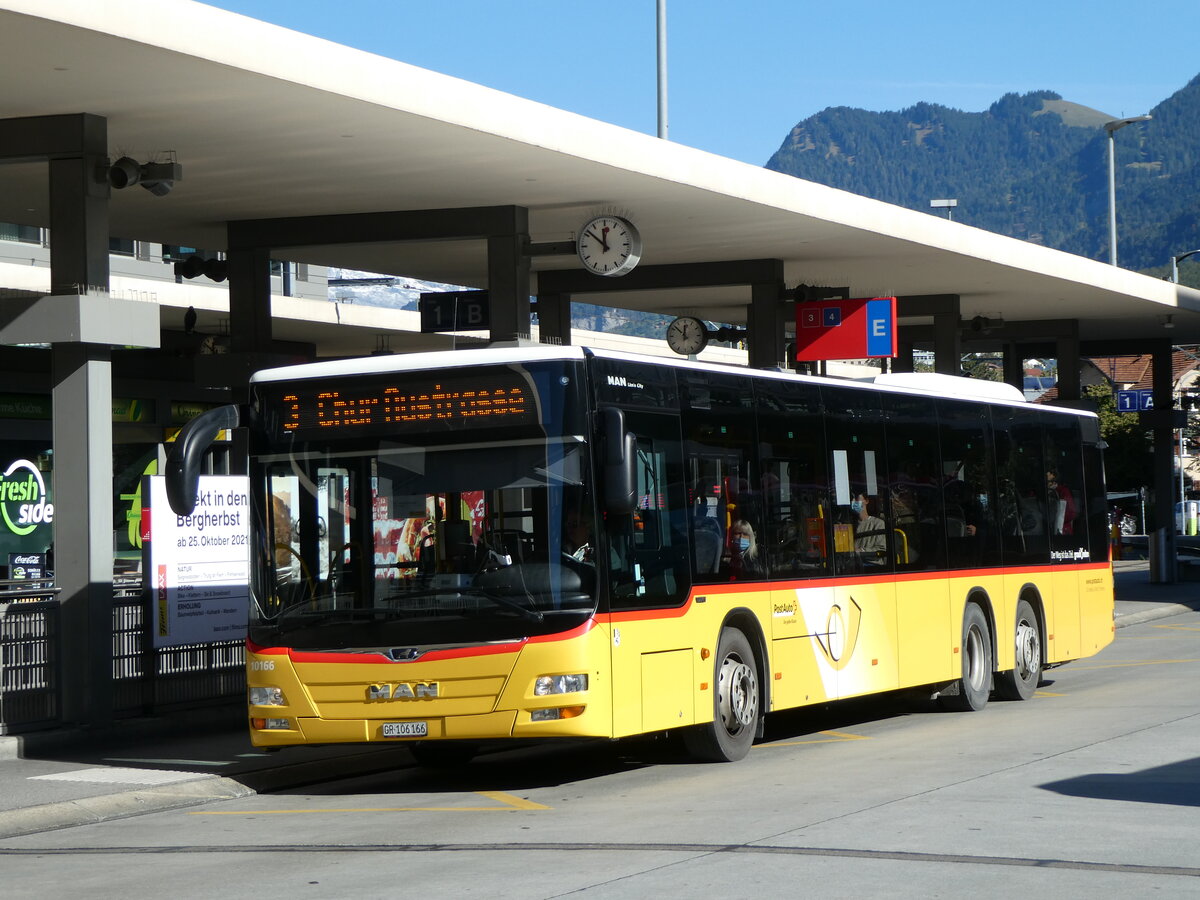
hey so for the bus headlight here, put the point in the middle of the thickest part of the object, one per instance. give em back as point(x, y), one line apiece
point(559, 684)
point(267, 696)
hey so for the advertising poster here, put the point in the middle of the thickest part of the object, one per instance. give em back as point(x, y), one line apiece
point(198, 567)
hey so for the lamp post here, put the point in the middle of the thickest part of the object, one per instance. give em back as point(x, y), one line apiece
point(1113, 127)
point(947, 205)
point(1176, 260)
point(661, 21)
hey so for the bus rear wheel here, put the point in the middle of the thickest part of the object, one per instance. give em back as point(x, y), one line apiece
point(736, 704)
point(1022, 681)
point(975, 684)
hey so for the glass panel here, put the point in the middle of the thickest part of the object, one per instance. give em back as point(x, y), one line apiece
point(861, 534)
point(916, 478)
point(972, 530)
point(648, 552)
point(403, 544)
point(1021, 485)
point(795, 480)
point(1065, 490)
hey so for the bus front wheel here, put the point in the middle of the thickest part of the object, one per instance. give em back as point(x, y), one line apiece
point(736, 704)
point(976, 653)
point(1022, 681)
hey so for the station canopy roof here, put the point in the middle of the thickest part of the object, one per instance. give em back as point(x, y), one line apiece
point(268, 122)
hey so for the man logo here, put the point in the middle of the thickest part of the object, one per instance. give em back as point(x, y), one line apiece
point(416, 691)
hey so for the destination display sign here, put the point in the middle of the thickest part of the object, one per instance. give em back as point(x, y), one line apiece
point(401, 403)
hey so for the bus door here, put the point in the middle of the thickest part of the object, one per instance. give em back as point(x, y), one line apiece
point(646, 553)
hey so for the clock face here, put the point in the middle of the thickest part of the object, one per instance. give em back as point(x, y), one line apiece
point(687, 335)
point(609, 245)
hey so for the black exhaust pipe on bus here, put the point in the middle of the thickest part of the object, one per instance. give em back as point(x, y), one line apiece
point(182, 470)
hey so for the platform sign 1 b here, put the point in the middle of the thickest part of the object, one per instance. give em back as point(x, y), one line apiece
point(454, 311)
point(846, 329)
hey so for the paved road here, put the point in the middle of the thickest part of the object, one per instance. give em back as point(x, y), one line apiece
point(1089, 790)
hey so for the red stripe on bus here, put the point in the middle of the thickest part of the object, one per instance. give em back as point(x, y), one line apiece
point(317, 656)
point(756, 587)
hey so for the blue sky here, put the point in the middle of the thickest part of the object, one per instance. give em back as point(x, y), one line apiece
point(743, 72)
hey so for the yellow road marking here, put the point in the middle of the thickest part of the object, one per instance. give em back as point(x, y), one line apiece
point(1047, 694)
point(1148, 662)
point(510, 803)
point(1179, 627)
point(835, 737)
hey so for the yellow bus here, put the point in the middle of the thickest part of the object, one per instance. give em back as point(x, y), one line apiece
point(554, 542)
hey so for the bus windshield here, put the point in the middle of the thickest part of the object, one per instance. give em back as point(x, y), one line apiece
point(408, 544)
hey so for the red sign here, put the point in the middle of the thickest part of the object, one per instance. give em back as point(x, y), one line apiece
point(846, 329)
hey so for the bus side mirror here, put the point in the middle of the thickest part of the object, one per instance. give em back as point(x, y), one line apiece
point(187, 453)
point(620, 458)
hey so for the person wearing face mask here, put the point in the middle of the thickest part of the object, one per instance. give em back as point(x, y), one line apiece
point(870, 532)
point(744, 559)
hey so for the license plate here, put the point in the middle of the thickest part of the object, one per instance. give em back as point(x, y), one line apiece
point(405, 729)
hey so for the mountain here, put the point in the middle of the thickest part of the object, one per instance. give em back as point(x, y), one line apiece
point(1033, 166)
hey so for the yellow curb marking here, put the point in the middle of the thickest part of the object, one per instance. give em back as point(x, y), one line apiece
point(510, 803)
point(1148, 662)
point(835, 737)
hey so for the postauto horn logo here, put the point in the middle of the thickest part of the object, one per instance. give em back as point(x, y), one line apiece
point(23, 498)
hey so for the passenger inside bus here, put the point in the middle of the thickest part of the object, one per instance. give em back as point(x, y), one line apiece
point(870, 532)
point(577, 535)
point(1062, 504)
point(744, 559)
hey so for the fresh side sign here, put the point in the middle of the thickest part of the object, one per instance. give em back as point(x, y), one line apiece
point(23, 501)
point(846, 329)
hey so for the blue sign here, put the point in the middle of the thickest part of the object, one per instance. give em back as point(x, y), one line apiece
point(831, 316)
point(1141, 400)
point(879, 328)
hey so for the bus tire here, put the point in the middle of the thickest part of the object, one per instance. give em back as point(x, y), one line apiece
point(737, 704)
point(443, 754)
point(1026, 675)
point(976, 653)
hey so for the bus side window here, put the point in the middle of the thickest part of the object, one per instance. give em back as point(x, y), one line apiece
point(862, 532)
point(1021, 480)
point(918, 516)
point(724, 502)
point(972, 531)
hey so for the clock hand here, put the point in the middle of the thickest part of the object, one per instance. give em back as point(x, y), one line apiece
point(604, 238)
point(596, 237)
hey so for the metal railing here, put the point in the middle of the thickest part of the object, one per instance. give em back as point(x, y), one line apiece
point(146, 679)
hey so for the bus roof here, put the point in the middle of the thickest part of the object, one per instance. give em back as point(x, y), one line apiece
point(948, 386)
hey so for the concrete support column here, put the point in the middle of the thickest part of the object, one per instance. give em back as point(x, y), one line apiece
point(947, 344)
point(1014, 365)
point(904, 355)
point(508, 280)
point(250, 300)
point(82, 419)
point(1067, 352)
point(764, 326)
point(554, 318)
point(79, 217)
point(83, 543)
point(1163, 567)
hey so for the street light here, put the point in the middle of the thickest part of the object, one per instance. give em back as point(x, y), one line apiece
point(1176, 260)
point(1113, 127)
point(947, 205)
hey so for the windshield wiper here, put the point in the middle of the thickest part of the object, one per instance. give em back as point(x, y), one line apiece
point(532, 615)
